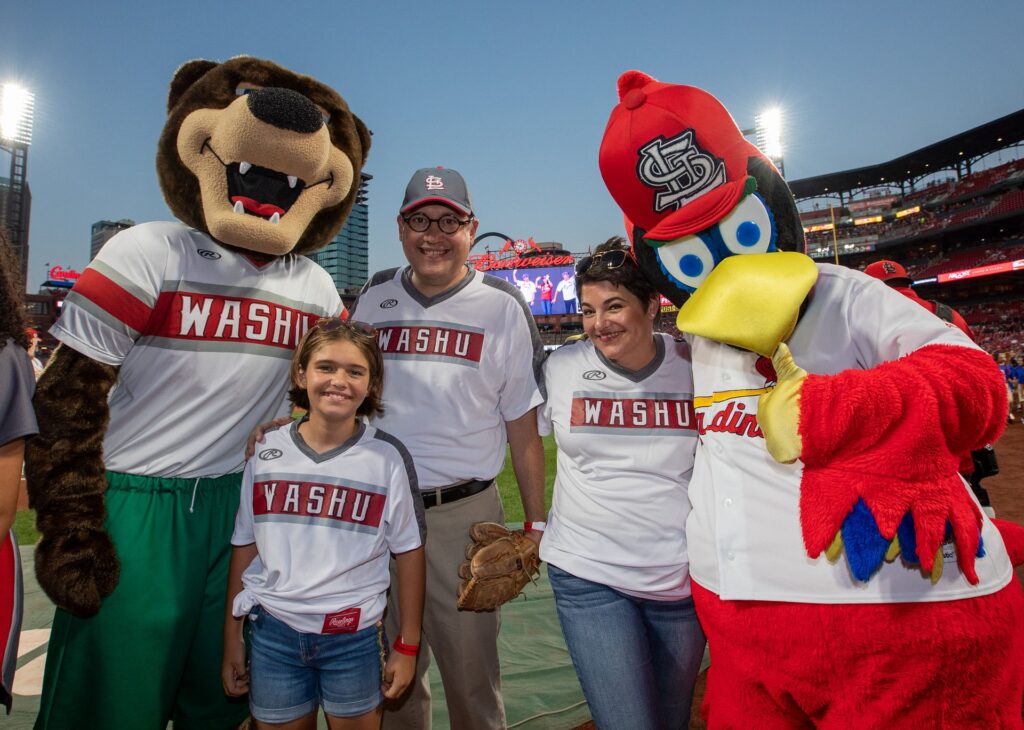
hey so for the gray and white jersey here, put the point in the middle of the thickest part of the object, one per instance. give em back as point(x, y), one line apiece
point(457, 366)
point(626, 443)
point(325, 526)
point(204, 338)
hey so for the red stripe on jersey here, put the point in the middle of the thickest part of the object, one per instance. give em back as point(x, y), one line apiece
point(429, 340)
point(10, 599)
point(308, 499)
point(113, 299)
point(632, 413)
point(193, 316)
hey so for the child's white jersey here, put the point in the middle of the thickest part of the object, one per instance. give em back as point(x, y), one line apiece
point(325, 525)
point(203, 336)
point(626, 443)
point(457, 366)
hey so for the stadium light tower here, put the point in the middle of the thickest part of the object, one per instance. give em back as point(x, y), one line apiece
point(768, 131)
point(17, 107)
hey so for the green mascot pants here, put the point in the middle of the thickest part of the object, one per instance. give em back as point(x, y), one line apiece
point(153, 652)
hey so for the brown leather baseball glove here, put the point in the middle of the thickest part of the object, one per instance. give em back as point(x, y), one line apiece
point(499, 563)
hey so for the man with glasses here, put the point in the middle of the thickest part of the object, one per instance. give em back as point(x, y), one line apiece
point(462, 363)
point(567, 288)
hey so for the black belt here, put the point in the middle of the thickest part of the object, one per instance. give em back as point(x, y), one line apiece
point(445, 495)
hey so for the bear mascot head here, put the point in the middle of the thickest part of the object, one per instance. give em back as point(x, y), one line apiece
point(259, 157)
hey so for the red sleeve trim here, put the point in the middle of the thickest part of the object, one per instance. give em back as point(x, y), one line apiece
point(105, 293)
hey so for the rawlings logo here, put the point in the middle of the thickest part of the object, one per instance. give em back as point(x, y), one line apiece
point(268, 454)
point(212, 255)
point(433, 182)
point(678, 170)
point(389, 303)
point(594, 375)
point(342, 622)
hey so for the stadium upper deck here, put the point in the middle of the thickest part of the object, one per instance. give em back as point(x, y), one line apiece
point(954, 219)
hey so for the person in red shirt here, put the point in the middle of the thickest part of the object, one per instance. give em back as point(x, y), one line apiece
point(978, 464)
point(896, 277)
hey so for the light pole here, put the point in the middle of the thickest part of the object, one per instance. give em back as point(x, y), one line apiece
point(768, 136)
point(17, 106)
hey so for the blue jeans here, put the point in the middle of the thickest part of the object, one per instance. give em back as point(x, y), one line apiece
point(637, 659)
point(291, 672)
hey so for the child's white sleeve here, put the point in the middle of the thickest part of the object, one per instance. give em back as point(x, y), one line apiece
point(405, 527)
point(244, 533)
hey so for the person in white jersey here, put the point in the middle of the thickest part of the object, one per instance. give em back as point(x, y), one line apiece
point(322, 507)
point(620, 404)
point(462, 356)
point(567, 289)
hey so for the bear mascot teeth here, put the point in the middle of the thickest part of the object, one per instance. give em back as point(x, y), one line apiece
point(842, 569)
point(175, 344)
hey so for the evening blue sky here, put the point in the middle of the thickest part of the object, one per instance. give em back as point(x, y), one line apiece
point(513, 95)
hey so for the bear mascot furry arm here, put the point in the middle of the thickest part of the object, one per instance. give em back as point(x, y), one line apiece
point(264, 161)
point(846, 442)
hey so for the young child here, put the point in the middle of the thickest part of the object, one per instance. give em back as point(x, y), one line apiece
point(324, 503)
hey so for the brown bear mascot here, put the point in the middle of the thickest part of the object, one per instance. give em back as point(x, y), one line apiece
point(842, 570)
point(175, 344)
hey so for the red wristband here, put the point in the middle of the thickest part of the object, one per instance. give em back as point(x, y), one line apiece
point(534, 526)
point(408, 649)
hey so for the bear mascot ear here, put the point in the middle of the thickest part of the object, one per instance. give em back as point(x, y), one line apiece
point(186, 75)
point(364, 138)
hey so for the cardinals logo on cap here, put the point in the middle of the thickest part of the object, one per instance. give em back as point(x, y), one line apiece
point(433, 182)
point(679, 170)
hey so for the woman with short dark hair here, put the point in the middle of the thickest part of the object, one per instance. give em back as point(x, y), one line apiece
point(620, 404)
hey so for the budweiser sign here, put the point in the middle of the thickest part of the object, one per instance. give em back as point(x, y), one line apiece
point(491, 262)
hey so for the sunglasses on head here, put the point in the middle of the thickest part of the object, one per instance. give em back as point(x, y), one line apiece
point(330, 324)
point(612, 259)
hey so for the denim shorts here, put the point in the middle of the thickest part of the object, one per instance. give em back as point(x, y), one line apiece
point(291, 672)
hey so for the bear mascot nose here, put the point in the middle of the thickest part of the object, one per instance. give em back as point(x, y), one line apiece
point(285, 109)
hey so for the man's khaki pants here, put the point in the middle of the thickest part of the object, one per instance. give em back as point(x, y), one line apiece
point(463, 643)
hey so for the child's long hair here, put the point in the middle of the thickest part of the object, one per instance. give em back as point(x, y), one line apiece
point(326, 331)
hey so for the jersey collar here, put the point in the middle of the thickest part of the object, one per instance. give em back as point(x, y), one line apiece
point(424, 301)
point(301, 445)
point(643, 373)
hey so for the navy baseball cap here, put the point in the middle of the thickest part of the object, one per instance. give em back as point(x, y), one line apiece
point(437, 185)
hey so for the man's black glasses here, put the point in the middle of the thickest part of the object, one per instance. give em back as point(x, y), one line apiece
point(448, 224)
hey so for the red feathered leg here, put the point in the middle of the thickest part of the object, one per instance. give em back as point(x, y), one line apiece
point(946, 664)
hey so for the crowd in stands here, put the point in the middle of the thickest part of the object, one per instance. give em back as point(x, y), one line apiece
point(944, 204)
point(997, 326)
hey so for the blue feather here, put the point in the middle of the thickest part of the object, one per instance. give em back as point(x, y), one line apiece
point(863, 542)
point(908, 540)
